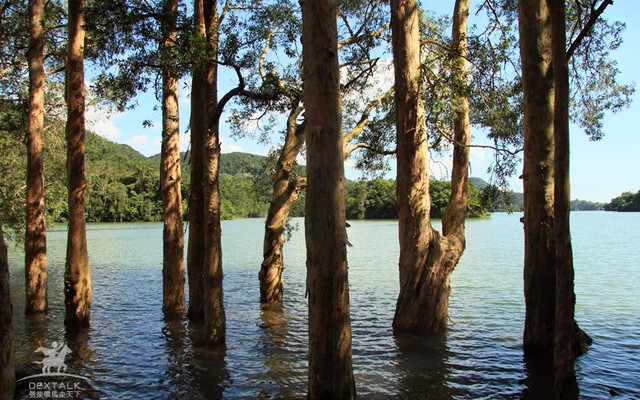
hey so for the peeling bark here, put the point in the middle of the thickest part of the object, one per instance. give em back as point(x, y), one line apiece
point(427, 258)
point(195, 251)
point(539, 259)
point(330, 356)
point(173, 273)
point(214, 315)
point(7, 349)
point(35, 246)
point(286, 190)
point(77, 277)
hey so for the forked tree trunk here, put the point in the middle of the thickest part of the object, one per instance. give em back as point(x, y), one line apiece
point(330, 357)
point(539, 253)
point(77, 277)
point(214, 315)
point(427, 258)
point(565, 342)
point(7, 350)
point(35, 245)
point(195, 251)
point(286, 190)
point(173, 273)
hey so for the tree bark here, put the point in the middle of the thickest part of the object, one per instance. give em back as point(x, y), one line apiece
point(286, 190)
point(195, 251)
point(214, 315)
point(539, 259)
point(565, 330)
point(427, 258)
point(7, 350)
point(173, 236)
point(35, 246)
point(330, 357)
point(77, 277)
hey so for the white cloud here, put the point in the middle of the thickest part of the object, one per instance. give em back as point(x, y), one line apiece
point(138, 140)
point(230, 148)
point(101, 120)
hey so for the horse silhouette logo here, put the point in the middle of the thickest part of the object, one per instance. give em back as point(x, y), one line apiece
point(53, 358)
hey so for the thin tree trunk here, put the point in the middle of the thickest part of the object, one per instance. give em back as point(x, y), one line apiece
point(286, 190)
point(330, 357)
point(7, 350)
point(173, 236)
point(566, 385)
point(214, 315)
point(539, 259)
point(35, 246)
point(77, 277)
point(427, 258)
point(195, 251)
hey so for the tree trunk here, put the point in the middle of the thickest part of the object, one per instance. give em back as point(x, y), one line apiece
point(35, 246)
point(195, 251)
point(427, 258)
point(77, 277)
point(539, 258)
point(330, 357)
point(173, 236)
point(566, 385)
point(7, 350)
point(286, 190)
point(215, 320)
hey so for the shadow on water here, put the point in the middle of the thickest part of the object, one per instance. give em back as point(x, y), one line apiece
point(278, 362)
point(193, 370)
point(422, 363)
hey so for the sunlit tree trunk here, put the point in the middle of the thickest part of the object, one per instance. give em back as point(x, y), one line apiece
point(7, 350)
point(77, 277)
point(330, 360)
point(286, 189)
point(195, 251)
point(564, 351)
point(539, 258)
point(427, 258)
point(35, 246)
point(214, 315)
point(173, 236)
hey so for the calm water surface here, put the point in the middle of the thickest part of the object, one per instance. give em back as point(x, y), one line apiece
point(133, 352)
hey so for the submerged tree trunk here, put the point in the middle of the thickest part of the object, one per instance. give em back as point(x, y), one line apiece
point(565, 342)
point(173, 236)
point(7, 350)
point(214, 315)
point(77, 277)
point(286, 189)
point(195, 251)
point(539, 258)
point(427, 258)
point(330, 360)
point(35, 245)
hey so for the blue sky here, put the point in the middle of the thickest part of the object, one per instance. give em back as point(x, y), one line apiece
point(599, 170)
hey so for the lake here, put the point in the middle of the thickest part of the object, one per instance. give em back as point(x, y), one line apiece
point(132, 352)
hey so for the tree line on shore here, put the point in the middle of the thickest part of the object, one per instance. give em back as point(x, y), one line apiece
point(512, 78)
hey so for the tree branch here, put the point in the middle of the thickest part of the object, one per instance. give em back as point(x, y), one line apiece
point(593, 18)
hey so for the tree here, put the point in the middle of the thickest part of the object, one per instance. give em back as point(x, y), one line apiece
point(7, 350)
point(330, 361)
point(36, 242)
point(77, 278)
point(427, 258)
point(173, 273)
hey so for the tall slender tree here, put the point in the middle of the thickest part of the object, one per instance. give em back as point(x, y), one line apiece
point(77, 277)
point(427, 258)
point(214, 315)
point(173, 272)
point(330, 359)
point(195, 250)
point(35, 242)
point(7, 350)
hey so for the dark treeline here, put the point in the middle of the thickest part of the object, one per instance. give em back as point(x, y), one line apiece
point(627, 201)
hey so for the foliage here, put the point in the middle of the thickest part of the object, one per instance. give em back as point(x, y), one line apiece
point(627, 201)
point(584, 205)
